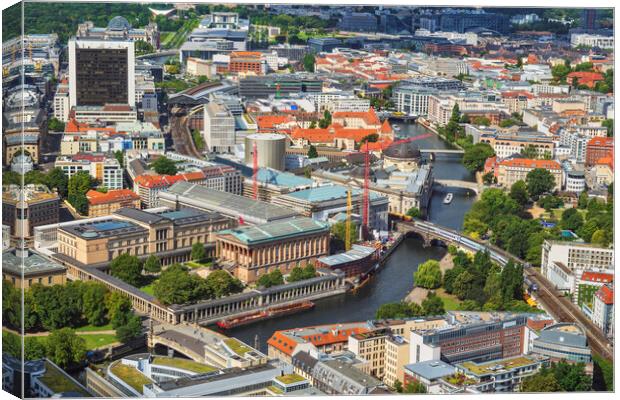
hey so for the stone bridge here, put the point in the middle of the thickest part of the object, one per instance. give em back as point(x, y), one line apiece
point(442, 151)
point(453, 183)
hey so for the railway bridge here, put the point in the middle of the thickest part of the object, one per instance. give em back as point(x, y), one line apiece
point(558, 306)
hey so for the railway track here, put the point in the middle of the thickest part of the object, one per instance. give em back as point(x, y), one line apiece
point(182, 138)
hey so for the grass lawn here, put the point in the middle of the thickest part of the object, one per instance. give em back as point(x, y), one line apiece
point(148, 289)
point(450, 302)
point(58, 382)
point(96, 341)
point(131, 376)
point(185, 364)
point(194, 264)
point(92, 328)
point(237, 346)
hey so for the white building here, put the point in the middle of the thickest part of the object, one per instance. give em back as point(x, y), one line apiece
point(603, 309)
point(106, 170)
point(585, 39)
point(219, 128)
point(61, 105)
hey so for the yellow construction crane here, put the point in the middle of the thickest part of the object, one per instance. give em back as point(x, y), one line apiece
point(347, 243)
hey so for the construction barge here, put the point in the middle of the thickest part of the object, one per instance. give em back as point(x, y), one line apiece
point(272, 312)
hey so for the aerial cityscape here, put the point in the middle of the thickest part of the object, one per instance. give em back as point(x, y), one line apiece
point(206, 199)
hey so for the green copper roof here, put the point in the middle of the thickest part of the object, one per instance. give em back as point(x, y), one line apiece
point(276, 230)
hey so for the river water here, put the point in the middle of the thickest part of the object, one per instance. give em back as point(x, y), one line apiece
point(395, 279)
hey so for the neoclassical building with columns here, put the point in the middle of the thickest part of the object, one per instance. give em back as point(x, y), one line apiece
point(251, 251)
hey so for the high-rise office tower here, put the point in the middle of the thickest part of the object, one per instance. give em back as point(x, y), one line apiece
point(101, 72)
point(589, 18)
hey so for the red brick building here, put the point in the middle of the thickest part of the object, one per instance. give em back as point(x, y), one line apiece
point(597, 148)
point(246, 61)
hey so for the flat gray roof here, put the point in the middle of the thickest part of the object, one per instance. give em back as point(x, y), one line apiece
point(33, 263)
point(431, 370)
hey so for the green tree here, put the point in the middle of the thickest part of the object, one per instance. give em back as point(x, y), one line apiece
point(583, 200)
point(609, 124)
point(119, 308)
point(398, 386)
point(414, 212)
point(433, 305)
point(550, 202)
point(64, 347)
point(54, 125)
point(198, 252)
point(220, 283)
point(131, 330)
point(476, 155)
point(272, 278)
point(518, 192)
point(93, 303)
point(127, 268)
point(530, 152)
point(34, 348)
point(164, 166)
point(543, 381)
point(428, 275)
point(312, 152)
point(481, 121)
point(571, 220)
point(176, 286)
point(572, 377)
point(339, 230)
point(57, 179)
point(539, 181)
point(415, 387)
point(308, 62)
point(142, 47)
point(152, 264)
point(78, 185)
point(119, 155)
point(599, 237)
point(11, 344)
point(57, 306)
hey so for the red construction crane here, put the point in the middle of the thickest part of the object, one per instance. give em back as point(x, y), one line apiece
point(366, 196)
point(255, 171)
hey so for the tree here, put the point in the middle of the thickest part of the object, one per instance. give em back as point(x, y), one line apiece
point(339, 230)
point(34, 348)
point(433, 305)
point(119, 155)
point(57, 306)
point(415, 387)
point(272, 278)
point(428, 275)
point(119, 308)
point(572, 377)
point(450, 276)
point(518, 191)
point(312, 152)
point(176, 286)
point(476, 155)
point(543, 381)
point(127, 268)
point(93, 303)
point(64, 347)
point(198, 252)
point(57, 179)
point(599, 237)
point(131, 330)
point(142, 47)
point(550, 202)
point(609, 124)
point(399, 310)
point(414, 212)
point(398, 386)
point(308, 62)
point(78, 185)
point(300, 274)
point(220, 283)
point(530, 152)
point(463, 285)
point(583, 200)
point(326, 120)
point(164, 166)
point(54, 125)
point(539, 181)
point(481, 121)
point(571, 220)
point(152, 264)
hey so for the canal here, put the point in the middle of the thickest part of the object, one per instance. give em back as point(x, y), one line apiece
point(395, 279)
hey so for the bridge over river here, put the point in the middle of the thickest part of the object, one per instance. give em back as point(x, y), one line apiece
point(560, 307)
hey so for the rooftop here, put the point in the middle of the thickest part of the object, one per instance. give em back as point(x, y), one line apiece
point(276, 230)
point(130, 376)
point(493, 367)
point(356, 253)
point(290, 379)
point(326, 193)
point(183, 363)
point(105, 228)
point(32, 263)
point(431, 369)
point(59, 382)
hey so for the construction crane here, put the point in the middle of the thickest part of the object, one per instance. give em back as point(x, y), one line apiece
point(365, 199)
point(347, 243)
point(255, 170)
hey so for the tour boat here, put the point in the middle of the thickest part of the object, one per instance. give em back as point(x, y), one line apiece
point(448, 198)
point(396, 127)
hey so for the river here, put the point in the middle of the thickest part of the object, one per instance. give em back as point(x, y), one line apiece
point(395, 279)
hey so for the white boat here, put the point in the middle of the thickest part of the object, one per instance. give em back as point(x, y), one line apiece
point(448, 198)
point(396, 127)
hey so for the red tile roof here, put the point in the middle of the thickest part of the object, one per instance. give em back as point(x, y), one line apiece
point(282, 341)
point(370, 116)
point(159, 181)
point(597, 277)
point(531, 163)
point(601, 141)
point(112, 196)
point(606, 294)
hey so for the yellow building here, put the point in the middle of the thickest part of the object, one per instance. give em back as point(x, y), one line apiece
point(396, 357)
point(33, 267)
point(101, 204)
point(510, 171)
point(251, 251)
